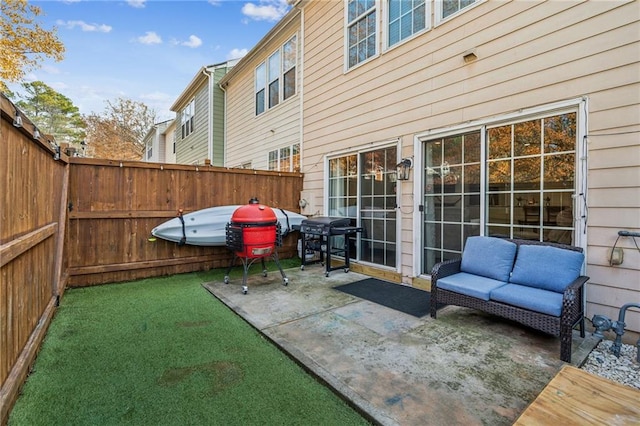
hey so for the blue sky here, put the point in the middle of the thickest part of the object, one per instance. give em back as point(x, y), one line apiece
point(146, 50)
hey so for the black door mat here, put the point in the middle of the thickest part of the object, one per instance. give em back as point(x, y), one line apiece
point(400, 297)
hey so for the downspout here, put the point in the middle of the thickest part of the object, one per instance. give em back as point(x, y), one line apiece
point(301, 121)
point(210, 86)
point(224, 125)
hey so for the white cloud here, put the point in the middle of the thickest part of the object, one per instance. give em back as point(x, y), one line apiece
point(266, 10)
point(194, 41)
point(138, 4)
point(237, 53)
point(215, 2)
point(150, 37)
point(49, 69)
point(100, 28)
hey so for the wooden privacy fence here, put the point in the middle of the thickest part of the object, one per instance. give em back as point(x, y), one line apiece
point(80, 222)
point(113, 207)
point(32, 228)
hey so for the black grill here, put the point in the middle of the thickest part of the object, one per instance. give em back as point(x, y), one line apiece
point(317, 235)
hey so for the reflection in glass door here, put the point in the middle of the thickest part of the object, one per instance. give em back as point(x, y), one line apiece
point(378, 206)
point(362, 187)
point(451, 197)
point(521, 186)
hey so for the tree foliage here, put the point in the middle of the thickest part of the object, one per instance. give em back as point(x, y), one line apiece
point(52, 112)
point(118, 133)
point(23, 42)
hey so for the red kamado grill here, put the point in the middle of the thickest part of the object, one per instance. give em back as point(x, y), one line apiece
point(253, 233)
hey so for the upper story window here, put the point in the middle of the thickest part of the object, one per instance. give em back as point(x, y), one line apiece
point(405, 18)
point(447, 8)
point(187, 118)
point(275, 79)
point(289, 68)
point(361, 30)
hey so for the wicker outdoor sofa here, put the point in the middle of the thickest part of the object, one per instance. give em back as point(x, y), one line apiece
point(537, 284)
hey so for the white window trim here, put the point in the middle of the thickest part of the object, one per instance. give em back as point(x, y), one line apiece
point(385, 26)
point(269, 80)
point(278, 159)
point(438, 12)
point(579, 105)
point(357, 151)
point(346, 67)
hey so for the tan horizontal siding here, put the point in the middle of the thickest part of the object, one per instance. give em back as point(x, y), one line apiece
point(251, 137)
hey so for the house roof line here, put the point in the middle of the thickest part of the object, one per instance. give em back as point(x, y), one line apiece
point(200, 76)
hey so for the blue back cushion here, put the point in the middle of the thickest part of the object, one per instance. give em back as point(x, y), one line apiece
point(489, 257)
point(546, 267)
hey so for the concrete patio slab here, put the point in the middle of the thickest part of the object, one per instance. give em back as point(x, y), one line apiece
point(465, 367)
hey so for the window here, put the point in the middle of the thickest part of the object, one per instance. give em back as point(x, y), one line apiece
point(261, 82)
point(362, 187)
point(405, 17)
point(275, 79)
point(361, 31)
point(286, 159)
point(149, 152)
point(447, 8)
point(289, 68)
point(187, 118)
point(521, 186)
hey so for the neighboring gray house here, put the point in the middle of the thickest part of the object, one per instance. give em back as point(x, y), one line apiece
point(199, 133)
point(159, 143)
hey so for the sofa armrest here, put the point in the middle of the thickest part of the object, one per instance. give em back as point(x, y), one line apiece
point(444, 269)
point(573, 297)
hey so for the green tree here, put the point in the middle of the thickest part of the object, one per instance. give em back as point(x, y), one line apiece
point(23, 42)
point(118, 133)
point(52, 112)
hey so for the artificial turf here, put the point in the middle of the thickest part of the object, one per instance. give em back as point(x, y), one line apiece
point(163, 351)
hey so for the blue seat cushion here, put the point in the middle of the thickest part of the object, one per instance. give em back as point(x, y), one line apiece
point(546, 267)
point(530, 298)
point(489, 257)
point(471, 285)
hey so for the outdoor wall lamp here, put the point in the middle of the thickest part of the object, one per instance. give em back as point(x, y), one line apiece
point(403, 168)
point(17, 120)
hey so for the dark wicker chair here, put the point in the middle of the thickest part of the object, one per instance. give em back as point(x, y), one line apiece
point(562, 326)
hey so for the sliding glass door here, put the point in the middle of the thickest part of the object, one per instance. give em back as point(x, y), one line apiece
point(513, 180)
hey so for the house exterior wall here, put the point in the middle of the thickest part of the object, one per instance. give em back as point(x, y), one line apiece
point(251, 137)
point(218, 118)
point(529, 54)
point(169, 140)
point(193, 149)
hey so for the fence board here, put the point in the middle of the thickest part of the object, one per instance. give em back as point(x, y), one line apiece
point(81, 222)
point(115, 205)
point(30, 206)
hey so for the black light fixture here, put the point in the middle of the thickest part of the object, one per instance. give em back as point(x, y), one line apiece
point(403, 168)
point(17, 120)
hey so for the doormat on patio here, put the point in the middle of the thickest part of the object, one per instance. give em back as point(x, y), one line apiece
point(400, 297)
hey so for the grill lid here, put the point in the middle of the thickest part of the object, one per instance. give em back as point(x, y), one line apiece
point(254, 213)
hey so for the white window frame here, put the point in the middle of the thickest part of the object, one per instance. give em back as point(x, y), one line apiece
point(439, 8)
point(387, 32)
point(264, 73)
point(186, 119)
point(275, 158)
point(579, 105)
point(348, 24)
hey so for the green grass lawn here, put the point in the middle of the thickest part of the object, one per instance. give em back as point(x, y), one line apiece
point(163, 351)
